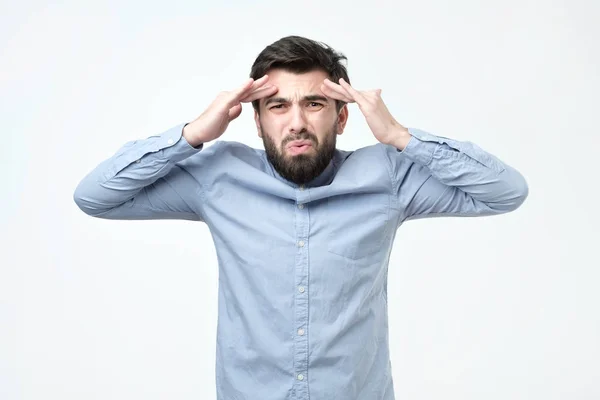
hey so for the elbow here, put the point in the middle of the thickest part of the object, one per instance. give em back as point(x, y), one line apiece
point(521, 193)
point(80, 200)
point(517, 193)
point(86, 203)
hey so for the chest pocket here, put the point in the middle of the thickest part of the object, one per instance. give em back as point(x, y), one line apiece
point(359, 224)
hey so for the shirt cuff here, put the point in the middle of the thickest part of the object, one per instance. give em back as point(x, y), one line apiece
point(421, 146)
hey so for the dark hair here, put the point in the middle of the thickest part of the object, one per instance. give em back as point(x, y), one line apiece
point(299, 55)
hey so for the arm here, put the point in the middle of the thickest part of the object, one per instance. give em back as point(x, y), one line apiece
point(144, 179)
point(151, 178)
point(433, 175)
point(436, 176)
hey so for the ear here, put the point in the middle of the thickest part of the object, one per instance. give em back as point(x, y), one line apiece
point(342, 119)
point(257, 122)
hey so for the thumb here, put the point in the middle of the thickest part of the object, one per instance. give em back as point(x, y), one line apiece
point(235, 111)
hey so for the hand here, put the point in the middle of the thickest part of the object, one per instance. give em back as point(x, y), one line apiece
point(384, 127)
point(213, 122)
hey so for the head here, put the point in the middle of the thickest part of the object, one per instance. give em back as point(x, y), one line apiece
point(298, 124)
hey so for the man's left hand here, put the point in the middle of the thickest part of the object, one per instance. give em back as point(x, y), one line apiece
point(384, 127)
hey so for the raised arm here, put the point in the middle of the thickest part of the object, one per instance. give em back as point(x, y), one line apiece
point(433, 175)
point(436, 176)
point(149, 179)
point(143, 180)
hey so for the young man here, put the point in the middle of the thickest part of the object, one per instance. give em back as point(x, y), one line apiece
point(303, 230)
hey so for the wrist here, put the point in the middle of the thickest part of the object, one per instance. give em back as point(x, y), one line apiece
point(192, 141)
point(400, 138)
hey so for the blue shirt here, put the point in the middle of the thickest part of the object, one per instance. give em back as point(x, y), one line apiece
point(302, 299)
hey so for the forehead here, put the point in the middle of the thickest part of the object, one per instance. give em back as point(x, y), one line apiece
point(291, 84)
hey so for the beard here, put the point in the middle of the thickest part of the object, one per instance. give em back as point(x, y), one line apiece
point(300, 168)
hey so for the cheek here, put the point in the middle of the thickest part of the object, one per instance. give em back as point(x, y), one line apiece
point(273, 130)
point(322, 120)
point(324, 126)
point(274, 138)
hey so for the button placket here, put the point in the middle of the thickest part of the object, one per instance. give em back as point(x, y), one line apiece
point(302, 225)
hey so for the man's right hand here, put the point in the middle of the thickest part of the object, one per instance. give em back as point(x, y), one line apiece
point(213, 122)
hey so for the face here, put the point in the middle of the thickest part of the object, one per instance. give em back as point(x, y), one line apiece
point(299, 124)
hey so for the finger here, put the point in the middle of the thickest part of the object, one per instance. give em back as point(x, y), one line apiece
point(260, 93)
point(356, 95)
point(329, 92)
point(335, 88)
point(235, 112)
point(339, 89)
point(259, 82)
point(242, 89)
point(248, 87)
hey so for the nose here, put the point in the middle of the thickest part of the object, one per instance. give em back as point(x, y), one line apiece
point(297, 121)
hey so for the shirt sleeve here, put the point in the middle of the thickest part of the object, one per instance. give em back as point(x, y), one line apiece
point(144, 179)
point(437, 176)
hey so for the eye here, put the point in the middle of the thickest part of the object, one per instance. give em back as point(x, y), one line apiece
point(278, 106)
point(315, 104)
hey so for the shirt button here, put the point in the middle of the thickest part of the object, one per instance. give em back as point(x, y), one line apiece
point(300, 331)
point(300, 377)
point(301, 289)
point(301, 206)
point(301, 187)
point(301, 243)
point(170, 141)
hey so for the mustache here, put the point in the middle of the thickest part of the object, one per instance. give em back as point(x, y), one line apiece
point(303, 136)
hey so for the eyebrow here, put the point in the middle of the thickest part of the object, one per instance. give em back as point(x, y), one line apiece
point(310, 97)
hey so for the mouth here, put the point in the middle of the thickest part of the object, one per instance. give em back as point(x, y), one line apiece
point(299, 146)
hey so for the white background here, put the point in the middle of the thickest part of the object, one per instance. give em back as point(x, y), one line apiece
point(504, 307)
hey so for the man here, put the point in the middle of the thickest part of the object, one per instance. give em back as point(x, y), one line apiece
point(303, 231)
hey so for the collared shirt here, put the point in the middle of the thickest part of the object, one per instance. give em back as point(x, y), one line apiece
point(302, 299)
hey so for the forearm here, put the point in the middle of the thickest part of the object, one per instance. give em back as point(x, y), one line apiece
point(135, 166)
point(193, 140)
point(483, 184)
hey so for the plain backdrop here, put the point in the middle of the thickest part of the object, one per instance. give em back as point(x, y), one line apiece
point(503, 307)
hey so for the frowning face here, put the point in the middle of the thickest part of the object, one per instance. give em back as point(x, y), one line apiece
point(299, 124)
